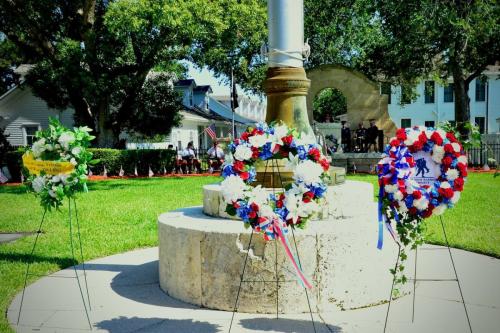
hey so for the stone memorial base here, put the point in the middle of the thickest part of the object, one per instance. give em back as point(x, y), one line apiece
point(201, 258)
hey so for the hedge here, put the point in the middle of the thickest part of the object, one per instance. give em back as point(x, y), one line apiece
point(113, 159)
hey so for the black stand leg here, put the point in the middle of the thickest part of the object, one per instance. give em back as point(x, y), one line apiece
point(414, 287)
point(456, 275)
point(277, 276)
point(392, 288)
point(81, 253)
point(305, 289)
point(241, 281)
point(39, 231)
point(74, 266)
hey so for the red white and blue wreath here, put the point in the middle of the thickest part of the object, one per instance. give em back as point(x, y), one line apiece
point(421, 174)
point(267, 212)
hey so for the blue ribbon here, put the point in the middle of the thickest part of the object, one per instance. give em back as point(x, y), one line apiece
point(380, 242)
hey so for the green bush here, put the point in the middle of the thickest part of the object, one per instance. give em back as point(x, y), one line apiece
point(113, 159)
point(14, 162)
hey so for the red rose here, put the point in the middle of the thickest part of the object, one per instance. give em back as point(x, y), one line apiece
point(458, 184)
point(447, 161)
point(254, 206)
point(417, 194)
point(325, 164)
point(307, 197)
point(437, 138)
point(449, 148)
point(287, 140)
point(244, 175)
point(238, 166)
point(279, 203)
point(401, 134)
point(451, 137)
point(314, 153)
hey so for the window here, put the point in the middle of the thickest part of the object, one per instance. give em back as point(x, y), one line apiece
point(429, 92)
point(29, 134)
point(406, 92)
point(385, 89)
point(480, 123)
point(429, 123)
point(448, 93)
point(405, 122)
point(480, 90)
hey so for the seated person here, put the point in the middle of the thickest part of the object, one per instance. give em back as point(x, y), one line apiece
point(189, 161)
point(215, 157)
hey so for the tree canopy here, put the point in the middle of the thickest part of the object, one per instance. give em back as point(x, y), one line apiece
point(95, 55)
point(328, 104)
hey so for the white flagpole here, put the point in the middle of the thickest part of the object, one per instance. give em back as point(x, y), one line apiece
point(232, 103)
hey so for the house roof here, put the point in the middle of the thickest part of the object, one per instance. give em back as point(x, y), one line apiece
point(185, 83)
point(203, 88)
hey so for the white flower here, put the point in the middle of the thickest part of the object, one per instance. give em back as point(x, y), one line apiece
point(391, 188)
point(73, 161)
point(76, 151)
point(445, 185)
point(233, 188)
point(398, 195)
point(258, 140)
point(421, 204)
point(441, 133)
point(66, 138)
point(309, 172)
point(439, 209)
point(258, 195)
point(428, 134)
point(421, 128)
point(402, 207)
point(305, 140)
point(462, 159)
point(38, 148)
point(456, 196)
point(52, 193)
point(266, 211)
point(297, 208)
point(55, 179)
point(38, 184)
point(243, 153)
point(292, 162)
point(452, 174)
point(280, 131)
point(411, 137)
point(437, 153)
point(456, 147)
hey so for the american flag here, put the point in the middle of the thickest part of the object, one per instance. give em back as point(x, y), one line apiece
point(211, 131)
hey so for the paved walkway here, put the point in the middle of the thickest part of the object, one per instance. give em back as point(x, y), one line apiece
point(125, 297)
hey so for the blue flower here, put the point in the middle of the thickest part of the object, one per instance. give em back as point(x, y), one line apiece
point(301, 152)
point(243, 211)
point(318, 189)
point(251, 175)
point(266, 153)
point(409, 201)
point(228, 171)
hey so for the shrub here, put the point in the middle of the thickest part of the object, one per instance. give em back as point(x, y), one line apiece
point(14, 162)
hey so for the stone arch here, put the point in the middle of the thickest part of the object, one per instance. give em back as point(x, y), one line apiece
point(364, 101)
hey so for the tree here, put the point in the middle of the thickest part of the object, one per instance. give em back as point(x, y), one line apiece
point(439, 38)
point(95, 55)
point(329, 103)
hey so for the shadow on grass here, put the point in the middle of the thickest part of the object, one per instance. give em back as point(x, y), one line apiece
point(113, 184)
point(18, 189)
point(152, 325)
point(26, 258)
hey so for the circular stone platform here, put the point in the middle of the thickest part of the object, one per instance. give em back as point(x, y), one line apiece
point(201, 259)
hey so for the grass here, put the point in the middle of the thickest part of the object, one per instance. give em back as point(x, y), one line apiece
point(115, 216)
point(120, 215)
point(474, 224)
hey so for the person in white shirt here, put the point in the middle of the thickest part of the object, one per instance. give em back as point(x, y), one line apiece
point(189, 160)
point(215, 157)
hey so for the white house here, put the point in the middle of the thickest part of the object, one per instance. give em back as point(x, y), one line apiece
point(247, 107)
point(435, 103)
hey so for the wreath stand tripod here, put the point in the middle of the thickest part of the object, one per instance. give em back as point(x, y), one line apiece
point(427, 280)
point(39, 231)
point(277, 280)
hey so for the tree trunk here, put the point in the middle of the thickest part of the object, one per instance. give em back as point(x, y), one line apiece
point(462, 101)
point(105, 136)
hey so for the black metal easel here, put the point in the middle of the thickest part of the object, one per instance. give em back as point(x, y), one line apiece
point(274, 164)
point(427, 280)
point(39, 231)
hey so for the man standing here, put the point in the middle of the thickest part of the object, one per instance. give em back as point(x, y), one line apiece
point(371, 136)
point(345, 137)
point(360, 138)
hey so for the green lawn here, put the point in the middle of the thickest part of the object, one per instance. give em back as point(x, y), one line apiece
point(474, 224)
point(120, 215)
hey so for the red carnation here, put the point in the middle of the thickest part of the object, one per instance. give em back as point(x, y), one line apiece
point(417, 194)
point(236, 204)
point(417, 145)
point(411, 161)
point(428, 211)
point(244, 136)
point(262, 219)
point(446, 192)
point(448, 148)
point(422, 138)
point(314, 153)
point(401, 134)
point(463, 169)
point(244, 175)
point(287, 140)
point(447, 161)
point(238, 166)
point(394, 142)
point(437, 138)
point(307, 197)
point(252, 215)
point(255, 152)
point(324, 163)
point(451, 137)
point(279, 203)
point(458, 184)
point(254, 206)
point(412, 211)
